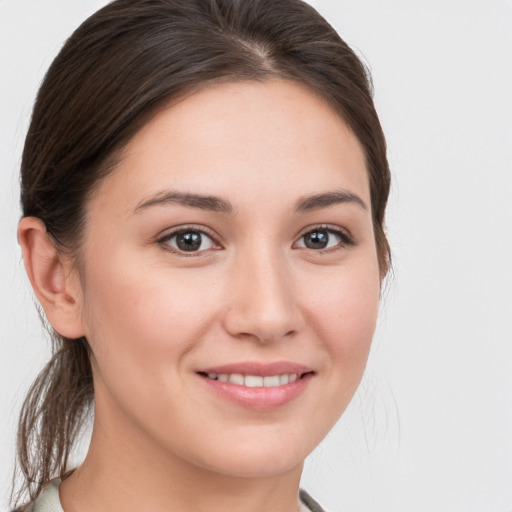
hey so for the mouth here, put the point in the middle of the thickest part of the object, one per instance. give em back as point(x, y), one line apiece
point(257, 386)
point(256, 381)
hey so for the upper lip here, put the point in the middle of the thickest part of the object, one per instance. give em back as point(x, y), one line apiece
point(258, 368)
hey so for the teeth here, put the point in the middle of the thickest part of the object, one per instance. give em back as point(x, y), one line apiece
point(235, 378)
point(271, 382)
point(255, 381)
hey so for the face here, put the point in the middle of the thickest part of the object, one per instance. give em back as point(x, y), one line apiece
point(230, 279)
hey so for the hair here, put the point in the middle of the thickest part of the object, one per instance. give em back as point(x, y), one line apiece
point(114, 72)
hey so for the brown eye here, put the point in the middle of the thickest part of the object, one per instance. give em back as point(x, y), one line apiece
point(316, 239)
point(189, 241)
point(324, 238)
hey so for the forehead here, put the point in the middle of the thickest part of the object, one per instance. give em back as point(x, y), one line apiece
point(244, 139)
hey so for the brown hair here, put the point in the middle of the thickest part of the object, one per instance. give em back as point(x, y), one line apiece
point(115, 71)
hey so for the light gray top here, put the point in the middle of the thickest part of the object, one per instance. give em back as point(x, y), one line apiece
point(49, 501)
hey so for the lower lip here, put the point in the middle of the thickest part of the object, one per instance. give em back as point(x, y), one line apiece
point(260, 398)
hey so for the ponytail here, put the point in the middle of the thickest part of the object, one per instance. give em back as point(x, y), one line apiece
point(52, 415)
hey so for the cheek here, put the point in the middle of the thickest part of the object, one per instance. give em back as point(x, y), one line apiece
point(345, 314)
point(146, 314)
point(342, 315)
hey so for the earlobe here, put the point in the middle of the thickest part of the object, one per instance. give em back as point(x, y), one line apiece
point(51, 277)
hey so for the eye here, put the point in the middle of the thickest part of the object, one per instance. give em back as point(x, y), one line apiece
point(188, 241)
point(323, 238)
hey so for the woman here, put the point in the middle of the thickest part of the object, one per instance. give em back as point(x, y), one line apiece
point(203, 186)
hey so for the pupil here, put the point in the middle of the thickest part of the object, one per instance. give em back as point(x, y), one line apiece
point(189, 241)
point(316, 240)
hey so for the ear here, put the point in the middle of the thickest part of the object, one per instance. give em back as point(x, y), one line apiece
point(52, 277)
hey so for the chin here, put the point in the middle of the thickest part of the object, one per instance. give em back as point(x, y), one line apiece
point(264, 455)
point(259, 465)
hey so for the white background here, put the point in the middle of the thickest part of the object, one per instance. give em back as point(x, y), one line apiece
point(431, 426)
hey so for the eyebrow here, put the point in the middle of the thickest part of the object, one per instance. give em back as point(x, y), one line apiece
point(202, 202)
point(219, 205)
point(326, 199)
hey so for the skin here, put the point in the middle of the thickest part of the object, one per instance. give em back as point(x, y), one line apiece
point(254, 292)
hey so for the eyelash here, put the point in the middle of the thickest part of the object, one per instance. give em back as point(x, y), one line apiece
point(346, 240)
point(164, 241)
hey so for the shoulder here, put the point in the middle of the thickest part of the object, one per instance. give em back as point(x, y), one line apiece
point(47, 501)
point(309, 502)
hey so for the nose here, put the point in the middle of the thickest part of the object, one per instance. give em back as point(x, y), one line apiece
point(262, 299)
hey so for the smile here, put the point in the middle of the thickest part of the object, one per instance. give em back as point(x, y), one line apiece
point(255, 381)
point(258, 386)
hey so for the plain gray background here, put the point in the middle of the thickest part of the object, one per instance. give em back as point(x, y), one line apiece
point(431, 427)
